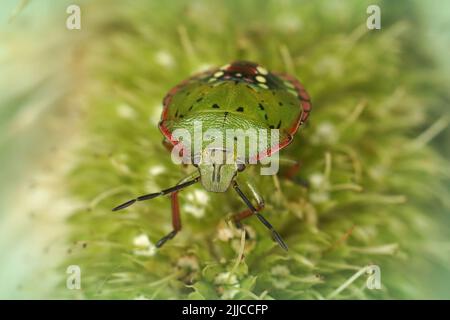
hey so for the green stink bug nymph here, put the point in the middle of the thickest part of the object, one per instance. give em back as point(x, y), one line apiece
point(238, 96)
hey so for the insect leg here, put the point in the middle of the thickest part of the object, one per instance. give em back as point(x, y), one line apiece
point(237, 218)
point(169, 147)
point(166, 143)
point(176, 220)
point(293, 169)
point(254, 211)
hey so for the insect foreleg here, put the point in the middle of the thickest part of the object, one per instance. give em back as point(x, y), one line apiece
point(176, 219)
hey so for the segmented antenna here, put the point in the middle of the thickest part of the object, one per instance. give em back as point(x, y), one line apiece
point(156, 194)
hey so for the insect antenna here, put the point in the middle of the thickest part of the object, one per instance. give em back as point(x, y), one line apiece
point(156, 194)
point(264, 221)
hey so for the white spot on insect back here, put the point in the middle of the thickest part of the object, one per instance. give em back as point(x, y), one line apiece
point(125, 111)
point(143, 246)
point(289, 85)
point(262, 85)
point(262, 70)
point(164, 59)
point(260, 79)
point(218, 74)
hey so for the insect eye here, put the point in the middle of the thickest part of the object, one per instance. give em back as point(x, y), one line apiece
point(240, 167)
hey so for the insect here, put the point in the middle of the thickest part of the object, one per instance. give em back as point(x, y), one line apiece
point(239, 95)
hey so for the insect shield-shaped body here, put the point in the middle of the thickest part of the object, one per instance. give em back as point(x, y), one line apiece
point(208, 118)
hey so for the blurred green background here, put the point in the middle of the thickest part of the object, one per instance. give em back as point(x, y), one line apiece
point(78, 114)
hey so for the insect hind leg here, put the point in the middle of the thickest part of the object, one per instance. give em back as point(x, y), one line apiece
point(293, 167)
point(275, 235)
point(238, 217)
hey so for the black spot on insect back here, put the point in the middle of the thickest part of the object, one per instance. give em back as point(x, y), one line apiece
point(261, 106)
point(240, 109)
point(215, 106)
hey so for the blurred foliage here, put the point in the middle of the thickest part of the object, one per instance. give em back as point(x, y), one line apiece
point(378, 191)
